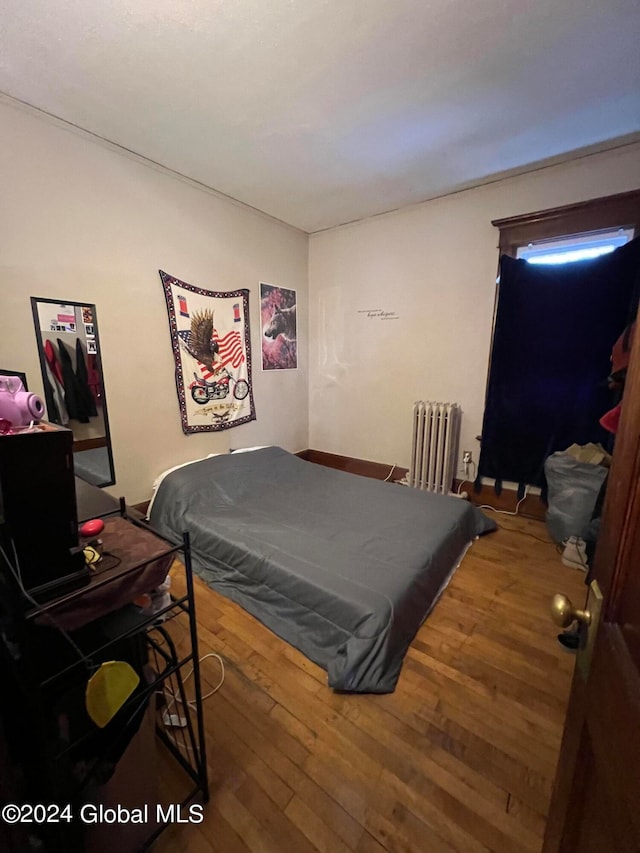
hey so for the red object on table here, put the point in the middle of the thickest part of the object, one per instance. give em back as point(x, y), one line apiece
point(92, 528)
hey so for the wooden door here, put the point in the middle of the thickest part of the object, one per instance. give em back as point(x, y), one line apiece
point(596, 800)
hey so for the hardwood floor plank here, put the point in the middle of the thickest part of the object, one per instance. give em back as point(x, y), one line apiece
point(416, 759)
point(368, 844)
point(330, 812)
point(400, 831)
point(404, 808)
point(232, 748)
point(250, 743)
point(260, 723)
point(418, 751)
point(524, 739)
point(221, 835)
point(483, 756)
point(190, 839)
point(340, 780)
point(245, 824)
point(294, 727)
point(274, 823)
point(430, 680)
point(314, 828)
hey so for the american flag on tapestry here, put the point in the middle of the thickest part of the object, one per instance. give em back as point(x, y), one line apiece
point(211, 345)
point(229, 348)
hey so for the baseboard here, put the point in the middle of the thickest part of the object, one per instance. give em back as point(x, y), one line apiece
point(142, 508)
point(89, 444)
point(362, 467)
point(506, 501)
point(531, 506)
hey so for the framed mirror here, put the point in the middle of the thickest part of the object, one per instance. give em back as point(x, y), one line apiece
point(74, 392)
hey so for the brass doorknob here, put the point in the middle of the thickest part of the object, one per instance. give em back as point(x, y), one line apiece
point(564, 613)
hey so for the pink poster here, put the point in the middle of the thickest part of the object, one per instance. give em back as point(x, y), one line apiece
point(279, 327)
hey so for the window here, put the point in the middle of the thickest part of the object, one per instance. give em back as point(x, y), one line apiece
point(576, 247)
point(586, 218)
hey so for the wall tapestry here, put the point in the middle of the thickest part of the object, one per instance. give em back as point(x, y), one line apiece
point(279, 330)
point(212, 352)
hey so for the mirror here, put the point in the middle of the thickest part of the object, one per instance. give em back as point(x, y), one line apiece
point(74, 393)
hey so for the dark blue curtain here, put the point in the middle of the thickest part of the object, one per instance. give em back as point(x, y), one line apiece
point(554, 331)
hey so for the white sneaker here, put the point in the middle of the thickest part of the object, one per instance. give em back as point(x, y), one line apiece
point(575, 553)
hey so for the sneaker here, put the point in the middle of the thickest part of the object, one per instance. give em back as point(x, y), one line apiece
point(575, 553)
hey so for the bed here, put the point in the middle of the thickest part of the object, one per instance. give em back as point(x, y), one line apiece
point(342, 567)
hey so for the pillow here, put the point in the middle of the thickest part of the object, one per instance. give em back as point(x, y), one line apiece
point(249, 449)
point(160, 478)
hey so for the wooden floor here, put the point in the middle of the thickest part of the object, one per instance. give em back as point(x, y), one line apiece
point(460, 758)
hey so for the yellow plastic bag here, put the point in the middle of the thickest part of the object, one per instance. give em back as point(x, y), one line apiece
point(108, 689)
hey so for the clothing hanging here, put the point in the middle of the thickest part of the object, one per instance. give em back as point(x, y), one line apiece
point(74, 396)
point(53, 387)
point(82, 377)
point(93, 377)
point(53, 414)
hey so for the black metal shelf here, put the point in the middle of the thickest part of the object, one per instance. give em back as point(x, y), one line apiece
point(113, 621)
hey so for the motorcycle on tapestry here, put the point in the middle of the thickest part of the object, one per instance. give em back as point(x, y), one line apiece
point(203, 391)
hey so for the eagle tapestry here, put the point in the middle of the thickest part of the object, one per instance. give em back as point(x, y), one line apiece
point(212, 353)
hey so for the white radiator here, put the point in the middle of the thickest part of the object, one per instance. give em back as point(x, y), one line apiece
point(434, 447)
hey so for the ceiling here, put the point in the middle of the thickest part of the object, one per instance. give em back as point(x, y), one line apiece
point(320, 112)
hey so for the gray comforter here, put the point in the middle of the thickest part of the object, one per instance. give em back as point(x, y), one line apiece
point(343, 567)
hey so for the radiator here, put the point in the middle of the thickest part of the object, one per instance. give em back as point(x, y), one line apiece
point(434, 446)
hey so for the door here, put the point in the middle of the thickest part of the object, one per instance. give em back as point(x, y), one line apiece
point(595, 806)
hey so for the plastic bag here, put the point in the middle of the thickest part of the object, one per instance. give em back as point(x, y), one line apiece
point(573, 489)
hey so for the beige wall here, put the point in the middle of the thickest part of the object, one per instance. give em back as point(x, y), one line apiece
point(434, 265)
point(80, 221)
